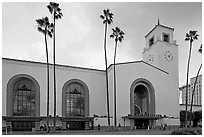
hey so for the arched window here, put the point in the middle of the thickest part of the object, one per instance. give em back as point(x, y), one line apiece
point(24, 98)
point(75, 100)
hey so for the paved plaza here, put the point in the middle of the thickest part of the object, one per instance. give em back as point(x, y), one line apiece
point(96, 132)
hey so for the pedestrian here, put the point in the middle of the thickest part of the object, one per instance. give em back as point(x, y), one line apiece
point(45, 128)
point(99, 126)
point(68, 126)
point(161, 126)
point(119, 126)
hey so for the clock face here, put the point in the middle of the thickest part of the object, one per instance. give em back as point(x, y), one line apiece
point(168, 56)
point(150, 58)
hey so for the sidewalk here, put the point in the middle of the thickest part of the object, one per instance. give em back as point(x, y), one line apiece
point(94, 132)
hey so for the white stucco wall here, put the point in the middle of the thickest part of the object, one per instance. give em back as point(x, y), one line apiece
point(94, 79)
point(166, 88)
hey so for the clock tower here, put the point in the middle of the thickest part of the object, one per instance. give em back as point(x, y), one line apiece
point(161, 49)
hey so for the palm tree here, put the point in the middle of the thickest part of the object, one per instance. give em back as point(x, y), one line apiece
point(56, 11)
point(118, 35)
point(200, 51)
point(46, 28)
point(191, 36)
point(107, 18)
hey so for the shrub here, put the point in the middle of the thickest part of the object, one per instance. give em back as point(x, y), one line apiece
point(187, 132)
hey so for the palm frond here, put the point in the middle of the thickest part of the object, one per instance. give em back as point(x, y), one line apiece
point(50, 9)
point(111, 15)
point(104, 12)
point(200, 49)
point(191, 32)
point(111, 36)
point(39, 22)
point(187, 35)
point(116, 28)
point(109, 22)
point(49, 34)
point(120, 39)
point(114, 31)
point(104, 21)
point(187, 39)
point(102, 17)
point(57, 17)
point(53, 4)
point(58, 9)
point(195, 38)
point(41, 30)
point(60, 13)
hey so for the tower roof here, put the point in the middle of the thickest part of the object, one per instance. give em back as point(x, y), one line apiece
point(158, 26)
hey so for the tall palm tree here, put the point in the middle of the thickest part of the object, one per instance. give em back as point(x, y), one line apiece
point(200, 51)
point(107, 18)
point(46, 28)
point(56, 11)
point(119, 36)
point(191, 36)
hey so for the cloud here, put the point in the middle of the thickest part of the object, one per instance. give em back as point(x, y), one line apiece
point(81, 56)
point(80, 33)
point(34, 52)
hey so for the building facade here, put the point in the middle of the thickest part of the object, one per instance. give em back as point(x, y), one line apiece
point(147, 90)
point(197, 97)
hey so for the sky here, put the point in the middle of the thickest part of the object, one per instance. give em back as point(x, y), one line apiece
point(80, 32)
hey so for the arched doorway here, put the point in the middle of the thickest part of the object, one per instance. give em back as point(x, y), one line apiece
point(75, 104)
point(141, 99)
point(142, 103)
point(23, 103)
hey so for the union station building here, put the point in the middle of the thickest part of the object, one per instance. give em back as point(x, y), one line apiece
point(147, 90)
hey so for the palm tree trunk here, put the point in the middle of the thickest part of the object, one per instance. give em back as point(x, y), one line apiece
point(106, 77)
point(194, 89)
point(187, 82)
point(47, 82)
point(115, 120)
point(54, 123)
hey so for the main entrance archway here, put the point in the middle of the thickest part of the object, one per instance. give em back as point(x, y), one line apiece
point(142, 103)
point(141, 99)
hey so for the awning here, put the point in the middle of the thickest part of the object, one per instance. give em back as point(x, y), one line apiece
point(35, 118)
point(143, 116)
point(76, 118)
point(21, 118)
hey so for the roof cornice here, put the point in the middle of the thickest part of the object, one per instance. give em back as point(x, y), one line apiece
point(157, 26)
point(35, 62)
point(141, 61)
